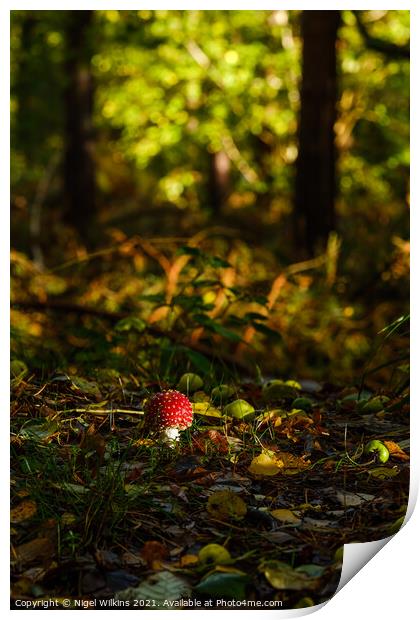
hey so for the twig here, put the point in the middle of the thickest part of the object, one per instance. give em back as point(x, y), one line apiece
point(101, 411)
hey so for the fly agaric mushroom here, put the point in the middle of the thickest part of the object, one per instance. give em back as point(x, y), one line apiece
point(169, 412)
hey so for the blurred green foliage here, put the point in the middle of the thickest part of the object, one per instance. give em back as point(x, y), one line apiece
point(172, 89)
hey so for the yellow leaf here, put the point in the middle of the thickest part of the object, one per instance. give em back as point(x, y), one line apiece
point(270, 463)
point(188, 559)
point(283, 577)
point(24, 511)
point(206, 409)
point(286, 516)
point(266, 464)
point(68, 518)
point(384, 472)
point(226, 505)
point(143, 442)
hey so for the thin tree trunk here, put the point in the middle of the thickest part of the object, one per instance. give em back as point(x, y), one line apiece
point(79, 170)
point(219, 181)
point(315, 175)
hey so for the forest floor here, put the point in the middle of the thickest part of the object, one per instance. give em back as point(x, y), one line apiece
point(239, 510)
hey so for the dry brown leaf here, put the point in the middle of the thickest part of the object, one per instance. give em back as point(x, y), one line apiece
point(395, 451)
point(23, 511)
point(37, 549)
point(293, 464)
point(153, 553)
point(211, 440)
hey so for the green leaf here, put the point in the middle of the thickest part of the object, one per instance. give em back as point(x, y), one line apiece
point(211, 325)
point(312, 570)
point(39, 429)
point(87, 387)
point(18, 369)
point(216, 261)
point(226, 333)
point(267, 331)
point(192, 302)
point(255, 316)
point(187, 251)
point(199, 360)
point(224, 584)
point(236, 321)
point(131, 323)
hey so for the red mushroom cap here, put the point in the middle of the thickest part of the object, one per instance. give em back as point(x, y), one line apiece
point(169, 409)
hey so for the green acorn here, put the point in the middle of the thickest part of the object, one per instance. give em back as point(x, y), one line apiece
point(302, 403)
point(221, 393)
point(239, 409)
point(190, 382)
point(278, 390)
point(379, 449)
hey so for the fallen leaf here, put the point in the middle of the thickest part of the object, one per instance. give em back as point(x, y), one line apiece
point(160, 588)
point(266, 464)
point(37, 549)
point(211, 440)
point(68, 518)
point(86, 387)
point(312, 570)
point(188, 560)
point(224, 584)
point(131, 558)
point(384, 472)
point(153, 553)
point(286, 516)
point(396, 451)
point(226, 505)
point(353, 499)
point(107, 560)
point(319, 524)
point(293, 464)
point(23, 511)
point(206, 409)
point(283, 577)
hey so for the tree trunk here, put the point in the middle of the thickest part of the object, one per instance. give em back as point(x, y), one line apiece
point(315, 174)
point(79, 170)
point(219, 181)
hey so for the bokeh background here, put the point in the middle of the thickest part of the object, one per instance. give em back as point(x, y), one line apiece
point(201, 188)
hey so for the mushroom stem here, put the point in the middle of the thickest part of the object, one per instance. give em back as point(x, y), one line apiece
point(170, 435)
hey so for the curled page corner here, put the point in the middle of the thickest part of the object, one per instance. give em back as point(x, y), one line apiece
point(355, 556)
